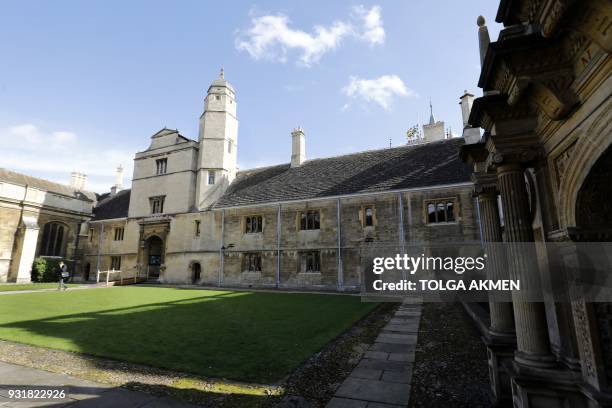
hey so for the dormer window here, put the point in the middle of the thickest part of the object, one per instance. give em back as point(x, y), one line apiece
point(161, 166)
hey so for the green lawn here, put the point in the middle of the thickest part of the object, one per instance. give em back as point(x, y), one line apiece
point(8, 287)
point(248, 336)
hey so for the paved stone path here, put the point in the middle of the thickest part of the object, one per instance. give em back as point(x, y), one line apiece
point(81, 393)
point(16, 292)
point(382, 377)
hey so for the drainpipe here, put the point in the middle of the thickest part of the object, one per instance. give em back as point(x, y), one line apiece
point(278, 246)
point(101, 232)
point(339, 254)
point(401, 229)
point(221, 260)
point(75, 253)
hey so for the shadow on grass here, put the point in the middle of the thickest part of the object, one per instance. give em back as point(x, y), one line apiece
point(243, 336)
point(135, 394)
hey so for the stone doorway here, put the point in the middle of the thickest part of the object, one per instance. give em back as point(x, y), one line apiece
point(86, 271)
point(196, 273)
point(154, 256)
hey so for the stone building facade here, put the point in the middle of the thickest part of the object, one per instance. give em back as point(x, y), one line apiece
point(546, 160)
point(191, 217)
point(38, 217)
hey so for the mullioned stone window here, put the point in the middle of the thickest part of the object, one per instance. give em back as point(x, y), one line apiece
point(54, 240)
point(252, 262)
point(310, 220)
point(440, 211)
point(116, 263)
point(161, 166)
point(119, 232)
point(253, 224)
point(310, 262)
point(157, 204)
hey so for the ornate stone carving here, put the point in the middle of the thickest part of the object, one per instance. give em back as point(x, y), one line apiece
point(581, 322)
point(595, 20)
point(561, 162)
point(551, 19)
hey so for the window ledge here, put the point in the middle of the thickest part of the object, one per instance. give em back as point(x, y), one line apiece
point(309, 273)
point(438, 224)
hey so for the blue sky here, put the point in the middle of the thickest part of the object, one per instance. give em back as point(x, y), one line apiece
point(84, 84)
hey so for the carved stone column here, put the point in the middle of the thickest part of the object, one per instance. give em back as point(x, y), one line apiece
point(533, 348)
point(502, 321)
point(500, 339)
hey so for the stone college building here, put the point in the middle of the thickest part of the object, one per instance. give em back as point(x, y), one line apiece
point(192, 218)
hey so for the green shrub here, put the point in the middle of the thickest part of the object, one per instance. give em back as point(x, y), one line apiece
point(45, 270)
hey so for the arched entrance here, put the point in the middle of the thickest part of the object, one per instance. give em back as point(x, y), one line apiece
point(594, 224)
point(593, 209)
point(86, 271)
point(154, 251)
point(196, 273)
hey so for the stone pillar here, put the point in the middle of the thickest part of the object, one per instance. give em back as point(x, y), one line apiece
point(502, 321)
point(500, 339)
point(533, 348)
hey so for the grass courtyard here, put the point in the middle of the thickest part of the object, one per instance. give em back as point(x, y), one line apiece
point(246, 336)
point(10, 287)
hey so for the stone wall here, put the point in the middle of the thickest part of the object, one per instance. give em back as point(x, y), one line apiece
point(222, 244)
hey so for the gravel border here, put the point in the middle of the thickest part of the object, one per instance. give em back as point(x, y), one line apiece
point(451, 367)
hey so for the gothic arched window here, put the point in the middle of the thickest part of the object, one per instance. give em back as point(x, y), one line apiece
point(54, 240)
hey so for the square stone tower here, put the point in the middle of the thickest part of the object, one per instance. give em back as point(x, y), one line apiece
point(434, 130)
point(218, 143)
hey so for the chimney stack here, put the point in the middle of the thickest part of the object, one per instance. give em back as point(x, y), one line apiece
point(78, 180)
point(298, 148)
point(470, 134)
point(466, 106)
point(119, 178)
point(118, 181)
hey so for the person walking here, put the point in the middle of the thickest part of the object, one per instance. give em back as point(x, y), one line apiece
point(63, 275)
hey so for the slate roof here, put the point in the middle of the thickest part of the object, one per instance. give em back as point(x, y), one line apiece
point(45, 185)
point(425, 165)
point(112, 207)
point(405, 167)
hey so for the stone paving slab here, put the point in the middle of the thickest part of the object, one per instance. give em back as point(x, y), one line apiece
point(346, 403)
point(374, 391)
point(81, 393)
point(396, 338)
point(383, 375)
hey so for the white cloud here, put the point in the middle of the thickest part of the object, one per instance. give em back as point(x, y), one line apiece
point(379, 90)
point(53, 155)
point(64, 137)
point(271, 37)
point(374, 32)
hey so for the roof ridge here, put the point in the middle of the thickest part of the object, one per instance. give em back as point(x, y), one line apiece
point(407, 146)
point(51, 182)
